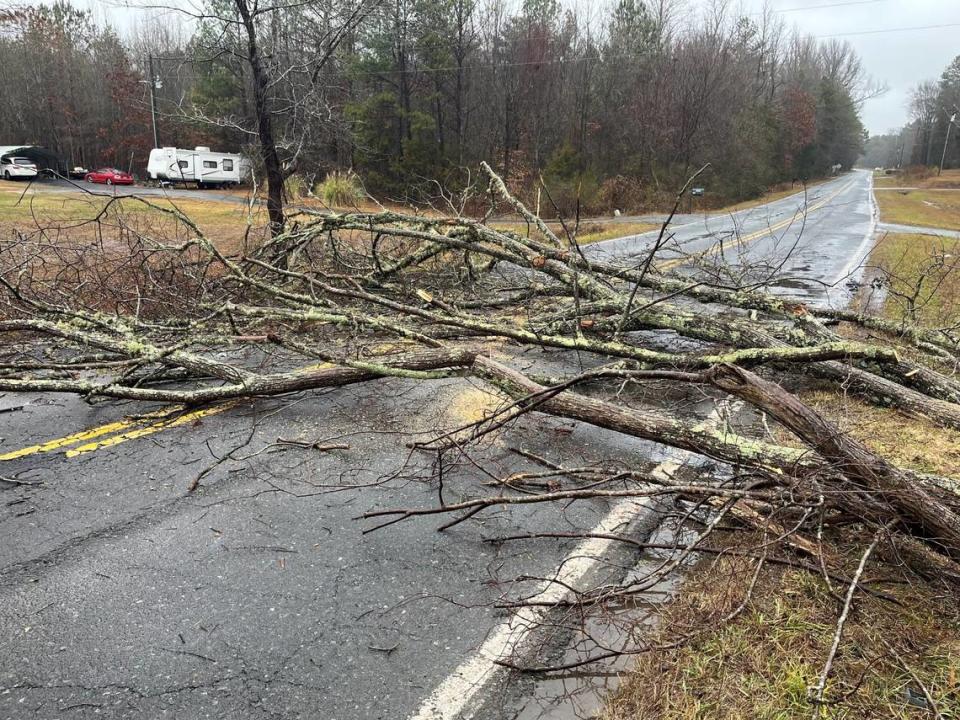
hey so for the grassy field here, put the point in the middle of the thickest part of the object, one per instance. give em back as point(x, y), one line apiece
point(914, 443)
point(762, 663)
point(921, 277)
point(71, 216)
point(929, 208)
point(920, 179)
point(590, 231)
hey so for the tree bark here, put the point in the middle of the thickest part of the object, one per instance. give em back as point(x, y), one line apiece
point(927, 516)
point(268, 146)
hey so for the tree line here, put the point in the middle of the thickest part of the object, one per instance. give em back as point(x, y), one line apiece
point(923, 141)
point(599, 105)
point(72, 85)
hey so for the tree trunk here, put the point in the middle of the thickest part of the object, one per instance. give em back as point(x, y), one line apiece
point(927, 516)
point(268, 147)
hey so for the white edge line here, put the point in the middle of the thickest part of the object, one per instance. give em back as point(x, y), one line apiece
point(449, 700)
point(452, 698)
point(860, 256)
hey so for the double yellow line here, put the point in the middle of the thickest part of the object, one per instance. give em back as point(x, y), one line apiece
point(747, 239)
point(115, 433)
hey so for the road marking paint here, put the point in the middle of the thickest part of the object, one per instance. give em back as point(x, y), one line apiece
point(454, 698)
point(128, 429)
point(451, 699)
point(178, 421)
point(855, 266)
point(90, 434)
point(740, 242)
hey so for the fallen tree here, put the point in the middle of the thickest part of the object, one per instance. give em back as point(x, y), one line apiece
point(424, 297)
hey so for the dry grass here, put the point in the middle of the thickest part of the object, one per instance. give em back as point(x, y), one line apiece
point(593, 232)
point(68, 217)
point(911, 442)
point(926, 208)
point(922, 275)
point(919, 179)
point(949, 179)
point(761, 664)
point(778, 192)
point(882, 181)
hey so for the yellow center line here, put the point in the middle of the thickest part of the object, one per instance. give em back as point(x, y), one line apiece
point(185, 419)
point(769, 230)
point(96, 432)
point(128, 429)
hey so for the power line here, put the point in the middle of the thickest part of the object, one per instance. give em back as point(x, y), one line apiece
point(629, 56)
point(819, 7)
point(623, 56)
point(890, 30)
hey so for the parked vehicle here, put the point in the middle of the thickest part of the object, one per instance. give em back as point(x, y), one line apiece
point(13, 167)
point(78, 173)
point(200, 166)
point(109, 176)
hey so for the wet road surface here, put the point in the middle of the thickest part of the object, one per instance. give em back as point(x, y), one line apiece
point(258, 596)
point(816, 240)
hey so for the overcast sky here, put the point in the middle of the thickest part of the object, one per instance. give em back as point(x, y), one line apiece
point(900, 58)
point(878, 29)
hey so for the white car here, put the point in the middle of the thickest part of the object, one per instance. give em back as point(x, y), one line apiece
point(12, 168)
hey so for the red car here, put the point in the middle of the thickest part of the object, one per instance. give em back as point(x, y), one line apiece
point(109, 176)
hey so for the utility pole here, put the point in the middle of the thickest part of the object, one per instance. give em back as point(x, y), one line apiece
point(943, 156)
point(933, 122)
point(153, 101)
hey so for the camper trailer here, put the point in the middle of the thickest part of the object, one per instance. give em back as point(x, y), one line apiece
point(199, 166)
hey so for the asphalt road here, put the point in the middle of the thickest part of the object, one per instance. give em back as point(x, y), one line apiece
point(258, 596)
point(814, 242)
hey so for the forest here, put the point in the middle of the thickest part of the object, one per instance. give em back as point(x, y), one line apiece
point(604, 106)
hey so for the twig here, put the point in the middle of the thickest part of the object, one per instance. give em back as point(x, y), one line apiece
point(316, 445)
point(820, 687)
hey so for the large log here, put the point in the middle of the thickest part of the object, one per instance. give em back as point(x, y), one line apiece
point(927, 517)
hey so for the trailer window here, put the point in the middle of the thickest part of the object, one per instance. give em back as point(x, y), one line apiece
point(212, 164)
point(183, 164)
point(228, 165)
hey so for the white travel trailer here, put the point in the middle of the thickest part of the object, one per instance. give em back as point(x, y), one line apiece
point(200, 166)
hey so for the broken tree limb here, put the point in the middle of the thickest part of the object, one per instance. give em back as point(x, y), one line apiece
point(928, 517)
point(258, 385)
